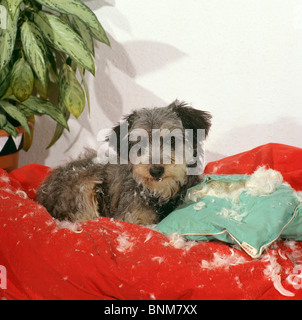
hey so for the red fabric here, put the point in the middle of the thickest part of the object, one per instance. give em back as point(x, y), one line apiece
point(283, 158)
point(107, 259)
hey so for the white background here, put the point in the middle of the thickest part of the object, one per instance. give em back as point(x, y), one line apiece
point(239, 59)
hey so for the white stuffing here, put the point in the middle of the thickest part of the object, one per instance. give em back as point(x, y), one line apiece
point(295, 279)
point(263, 182)
point(218, 189)
point(124, 242)
point(295, 256)
point(199, 205)
point(152, 296)
point(149, 236)
point(22, 194)
point(158, 259)
point(282, 254)
point(223, 261)
point(232, 214)
point(272, 271)
point(292, 245)
point(238, 282)
point(299, 195)
point(4, 178)
point(179, 242)
point(8, 190)
point(65, 224)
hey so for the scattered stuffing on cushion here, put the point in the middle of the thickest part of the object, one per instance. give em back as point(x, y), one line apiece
point(107, 259)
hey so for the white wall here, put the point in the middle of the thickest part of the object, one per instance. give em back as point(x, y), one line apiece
point(239, 59)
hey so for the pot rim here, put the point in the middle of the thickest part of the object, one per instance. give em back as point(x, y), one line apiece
point(19, 129)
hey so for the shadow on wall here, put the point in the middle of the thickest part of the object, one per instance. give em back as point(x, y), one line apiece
point(96, 4)
point(115, 81)
point(126, 62)
point(285, 131)
point(116, 70)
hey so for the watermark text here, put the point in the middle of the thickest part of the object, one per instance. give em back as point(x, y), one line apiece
point(160, 146)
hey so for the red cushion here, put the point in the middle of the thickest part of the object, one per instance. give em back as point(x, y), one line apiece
point(283, 158)
point(106, 259)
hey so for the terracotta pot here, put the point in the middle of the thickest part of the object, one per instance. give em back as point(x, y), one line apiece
point(9, 149)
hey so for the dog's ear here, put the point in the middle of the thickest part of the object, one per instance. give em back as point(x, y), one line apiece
point(192, 118)
point(123, 128)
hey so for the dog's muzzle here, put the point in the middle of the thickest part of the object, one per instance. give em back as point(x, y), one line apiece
point(157, 172)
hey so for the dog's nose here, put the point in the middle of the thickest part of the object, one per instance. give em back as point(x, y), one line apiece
point(157, 172)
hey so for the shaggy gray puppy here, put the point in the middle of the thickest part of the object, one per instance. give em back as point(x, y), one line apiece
point(145, 183)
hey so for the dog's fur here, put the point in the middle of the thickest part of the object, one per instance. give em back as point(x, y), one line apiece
point(84, 189)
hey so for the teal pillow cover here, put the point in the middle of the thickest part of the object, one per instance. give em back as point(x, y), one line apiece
point(250, 220)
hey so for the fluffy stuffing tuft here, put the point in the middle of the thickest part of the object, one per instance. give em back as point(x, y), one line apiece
point(263, 182)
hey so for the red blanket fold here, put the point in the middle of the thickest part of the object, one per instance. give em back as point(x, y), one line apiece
point(107, 259)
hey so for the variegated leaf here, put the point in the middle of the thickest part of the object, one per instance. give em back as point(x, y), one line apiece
point(4, 80)
point(13, 6)
point(3, 120)
point(7, 37)
point(64, 39)
point(9, 128)
point(85, 85)
point(40, 106)
point(14, 112)
point(52, 67)
point(43, 91)
point(100, 35)
point(85, 33)
point(71, 92)
point(59, 129)
point(28, 138)
point(35, 49)
point(22, 80)
point(79, 9)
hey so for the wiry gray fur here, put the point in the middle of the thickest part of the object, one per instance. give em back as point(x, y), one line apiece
point(83, 190)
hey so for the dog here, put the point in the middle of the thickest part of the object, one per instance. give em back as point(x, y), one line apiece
point(139, 192)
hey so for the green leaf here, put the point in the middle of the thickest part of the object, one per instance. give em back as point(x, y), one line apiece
point(3, 120)
point(100, 35)
point(65, 39)
point(40, 106)
point(8, 38)
point(80, 10)
point(26, 111)
point(52, 67)
point(42, 91)
point(85, 33)
point(13, 6)
point(4, 80)
point(9, 128)
point(22, 80)
point(35, 49)
point(6, 125)
point(15, 114)
point(71, 92)
point(59, 128)
point(28, 138)
point(85, 85)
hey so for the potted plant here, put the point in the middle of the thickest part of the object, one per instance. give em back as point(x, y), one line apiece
point(45, 46)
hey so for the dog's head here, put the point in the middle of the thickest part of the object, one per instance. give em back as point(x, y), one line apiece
point(161, 144)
